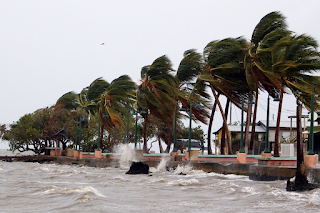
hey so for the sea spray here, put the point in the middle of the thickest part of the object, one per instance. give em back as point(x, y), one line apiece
point(127, 155)
point(183, 169)
point(162, 166)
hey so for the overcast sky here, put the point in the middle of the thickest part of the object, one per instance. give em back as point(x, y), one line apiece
point(48, 48)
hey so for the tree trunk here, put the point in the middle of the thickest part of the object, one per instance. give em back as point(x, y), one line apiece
point(171, 136)
point(145, 144)
point(253, 130)
point(224, 120)
point(160, 146)
point(276, 137)
point(301, 178)
point(223, 140)
point(210, 126)
point(225, 126)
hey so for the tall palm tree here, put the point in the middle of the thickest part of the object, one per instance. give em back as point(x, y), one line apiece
point(294, 58)
point(156, 92)
point(270, 29)
point(225, 73)
point(116, 100)
point(192, 89)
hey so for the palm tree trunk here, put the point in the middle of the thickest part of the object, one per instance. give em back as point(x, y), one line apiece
point(253, 130)
point(223, 139)
point(210, 126)
point(145, 148)
point(276, 137)
point(171, 136)
point(225, 126)
point(301, 178)
point(160, 146)
point(224, 120)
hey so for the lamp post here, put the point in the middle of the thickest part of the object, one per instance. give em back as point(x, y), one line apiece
point(190, 130)
point(128, 126)
point(266, 149)
point(143, 111)
point(241, 150)
point(174, 129)
point(135, 130)
point(98, 145)
point(76, 148)
point(79, 138)
point(99, 138)
point(310, 152)
point(190, 122)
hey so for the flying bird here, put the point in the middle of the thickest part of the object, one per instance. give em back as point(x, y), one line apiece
point(102, 44)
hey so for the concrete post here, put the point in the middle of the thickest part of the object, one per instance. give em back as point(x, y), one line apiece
point(75, 153)
point(194, 155)
point(80, 155)
point(139, 154)
point(310, 161)
point(98, 154)
point(241, 158)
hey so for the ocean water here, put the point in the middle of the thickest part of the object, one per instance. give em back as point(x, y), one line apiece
point(34, 187)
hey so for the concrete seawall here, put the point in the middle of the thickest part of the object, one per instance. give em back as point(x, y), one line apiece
point(253, 170)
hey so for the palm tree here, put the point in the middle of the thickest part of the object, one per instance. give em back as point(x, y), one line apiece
point(109, 101)
point(190, 88)
point(269, 30)
point(156, 92)
point(116, 100)
point(225, 73)
point(294, 58)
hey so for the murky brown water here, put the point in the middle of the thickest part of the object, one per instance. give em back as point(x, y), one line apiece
point(33, 187)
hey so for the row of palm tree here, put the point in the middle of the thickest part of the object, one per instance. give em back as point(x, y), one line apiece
point(274, 61)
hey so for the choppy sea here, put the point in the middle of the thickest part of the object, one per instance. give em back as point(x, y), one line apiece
point(34, 187)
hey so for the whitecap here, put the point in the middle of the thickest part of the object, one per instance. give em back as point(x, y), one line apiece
point(64, 190)
point(183, 182)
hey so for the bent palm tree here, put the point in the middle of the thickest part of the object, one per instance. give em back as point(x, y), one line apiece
point(225, 73)
point(190, 88)
point(294, 58)
point(157, 92)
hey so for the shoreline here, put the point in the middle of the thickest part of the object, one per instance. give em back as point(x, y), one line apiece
point(252, 170)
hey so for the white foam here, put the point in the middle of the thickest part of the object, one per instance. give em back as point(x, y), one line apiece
point(314, 198)
point(183, 169)
point(183, 182)
point(64, 190)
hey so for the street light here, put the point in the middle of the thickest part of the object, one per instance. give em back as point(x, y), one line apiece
point(135, 130)
point(175, 129)
point(128, 126)
point(99, 138)
point(266, 149)
point(311, 120)
point(241, 150)
point(183, 108)
point(79, 138)
point(143, 111)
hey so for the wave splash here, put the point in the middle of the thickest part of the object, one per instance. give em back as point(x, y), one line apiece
point(127, 155)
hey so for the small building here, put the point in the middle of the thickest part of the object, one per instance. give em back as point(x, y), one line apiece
point(287, 133)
